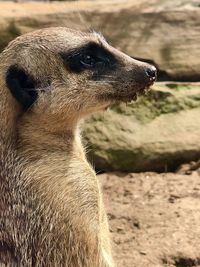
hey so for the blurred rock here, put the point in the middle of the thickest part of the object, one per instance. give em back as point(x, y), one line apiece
point(163, 32)
point(157, 133)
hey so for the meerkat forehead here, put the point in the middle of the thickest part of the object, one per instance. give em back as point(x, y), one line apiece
point(58, 38)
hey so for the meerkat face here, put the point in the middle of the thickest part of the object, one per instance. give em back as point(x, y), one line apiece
point(61, 71)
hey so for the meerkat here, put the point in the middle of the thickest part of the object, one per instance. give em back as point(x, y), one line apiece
point(52, 212)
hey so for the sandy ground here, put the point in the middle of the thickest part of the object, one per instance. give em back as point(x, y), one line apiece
point(154, 218)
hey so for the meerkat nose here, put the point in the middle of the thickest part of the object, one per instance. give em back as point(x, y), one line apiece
point(151, 73)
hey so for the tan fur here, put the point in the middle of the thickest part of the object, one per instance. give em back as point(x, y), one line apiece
point(52, 213)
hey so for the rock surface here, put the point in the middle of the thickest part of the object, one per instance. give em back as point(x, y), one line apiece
point(164, 32)
point(157, 133)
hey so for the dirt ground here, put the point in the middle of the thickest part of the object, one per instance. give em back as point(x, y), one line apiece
point(154, 218)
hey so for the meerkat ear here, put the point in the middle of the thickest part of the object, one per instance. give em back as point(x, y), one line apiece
point(21, 86)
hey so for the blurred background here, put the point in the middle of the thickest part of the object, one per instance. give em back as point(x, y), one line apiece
point(147, 153)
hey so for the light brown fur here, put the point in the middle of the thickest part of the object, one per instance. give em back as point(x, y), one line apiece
point(52, 213)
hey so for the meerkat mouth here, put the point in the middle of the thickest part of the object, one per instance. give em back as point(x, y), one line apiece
point(133, 96)
point(125, 97)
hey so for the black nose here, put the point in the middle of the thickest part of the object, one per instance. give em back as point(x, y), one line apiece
point(151, 73)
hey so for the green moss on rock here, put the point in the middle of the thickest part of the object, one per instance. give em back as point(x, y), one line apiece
point(156, 133)
point(159, 102)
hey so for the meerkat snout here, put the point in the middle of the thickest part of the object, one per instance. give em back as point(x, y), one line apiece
point(72, 71)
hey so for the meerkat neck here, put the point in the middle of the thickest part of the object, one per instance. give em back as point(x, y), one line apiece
point(38, 138)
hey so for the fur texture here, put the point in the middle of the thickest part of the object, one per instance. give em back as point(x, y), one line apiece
point(51, 208)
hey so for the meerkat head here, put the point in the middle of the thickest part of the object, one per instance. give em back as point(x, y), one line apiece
point(65, 73)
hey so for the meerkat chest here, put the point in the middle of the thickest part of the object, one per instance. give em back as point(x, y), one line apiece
point(60, 176)
point(66, 183)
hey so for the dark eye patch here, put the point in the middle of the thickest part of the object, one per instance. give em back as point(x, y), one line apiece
point(22, 86)
point(91, 56)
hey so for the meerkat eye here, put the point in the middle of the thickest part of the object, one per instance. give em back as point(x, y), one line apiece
point(89, 57)
point(89, 60)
